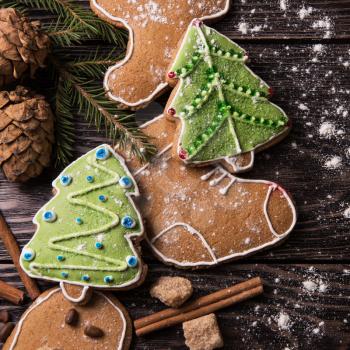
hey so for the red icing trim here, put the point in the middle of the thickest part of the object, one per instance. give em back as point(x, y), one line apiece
point(197, 23)
point(182, 154)
point(171, 111)
point(278, 187)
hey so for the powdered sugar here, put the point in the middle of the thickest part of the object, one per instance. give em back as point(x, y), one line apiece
point(283, 321)
point(327, 130)
point(346, 213)
point(315, 285)
point(333, 162)
point(326, 25)
point(283, 5)
point(243, 27)
point(319, 48)
point(305, 12)
point(303, 107)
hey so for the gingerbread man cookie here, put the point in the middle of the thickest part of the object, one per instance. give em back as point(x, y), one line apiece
point(155, 27)
point(200, 217)
point(53, 322)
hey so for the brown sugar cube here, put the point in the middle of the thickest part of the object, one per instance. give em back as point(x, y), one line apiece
point(172, 291)
point(203, 333)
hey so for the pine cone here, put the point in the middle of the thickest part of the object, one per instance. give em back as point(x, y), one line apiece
point(22, 46)
point(26, 134)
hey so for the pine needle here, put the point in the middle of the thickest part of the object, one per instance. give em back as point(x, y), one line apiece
point(88, 96)
point(78, 83)
point(63, 36)
point(65, 135)
point(72, 15)
point(94, 64)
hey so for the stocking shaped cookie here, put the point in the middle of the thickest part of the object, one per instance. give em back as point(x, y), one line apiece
point(200, 217)
point(155, 27)
point(52, 322)
point(88, 233)
point(222, 106)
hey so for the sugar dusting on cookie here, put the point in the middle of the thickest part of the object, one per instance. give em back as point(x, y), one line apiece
point(155, 26)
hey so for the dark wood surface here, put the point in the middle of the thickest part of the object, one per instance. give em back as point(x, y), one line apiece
point(312, 83)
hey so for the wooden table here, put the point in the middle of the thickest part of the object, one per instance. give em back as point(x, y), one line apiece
point(304, 53)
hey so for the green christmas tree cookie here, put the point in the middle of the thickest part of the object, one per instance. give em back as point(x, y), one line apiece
point(223, 106)
point(84, 233)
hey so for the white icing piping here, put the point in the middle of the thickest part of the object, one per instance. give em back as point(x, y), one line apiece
point(40, 300)
point(224, 190)
point(79, 299)
point(119, 265)
point(181, 82)
point(217, 84)
point(128, 236)
point(192, 231)
point(205, 177)
point(130, 51)
point(232, 161)
point(271, 189)
point(158, 155)
point(233, 179)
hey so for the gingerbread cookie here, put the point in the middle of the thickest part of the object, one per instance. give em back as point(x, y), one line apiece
point(200, 217)
point(155, 27)
point(222, 105)
point(52, 322)
point(88, 233)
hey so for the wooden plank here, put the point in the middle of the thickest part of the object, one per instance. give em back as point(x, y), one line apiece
point(303, 307)
point(312, 84)
point(311, 96)
point(323, 20)
point(287, 20)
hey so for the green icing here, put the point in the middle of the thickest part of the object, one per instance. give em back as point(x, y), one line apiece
point(101, 222)
point(222, 103)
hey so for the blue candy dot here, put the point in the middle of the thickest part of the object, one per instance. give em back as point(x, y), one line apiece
point(102, 198)
point(132, 261)
point(108, 279)
point(49, 216)
point(102, 153)
point(28, 254)
point(128, 222)
point(98, 245)
point(125, 182)
point(66, 180)
point(64, 274)
point(86, 278)
point(90, 178)
point(78, 221)
point(60, 258)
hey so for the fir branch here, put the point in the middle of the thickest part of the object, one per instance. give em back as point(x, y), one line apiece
point(14, 4)
point(94, 65)
point(111, 34)
point(65, 135)
point(74, 16)
point(89, 97)
point(63, 36)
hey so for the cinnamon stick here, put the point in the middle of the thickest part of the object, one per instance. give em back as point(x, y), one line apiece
point(199, 307)
point(13, 249)
point(200, 302)
point(10, 293)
